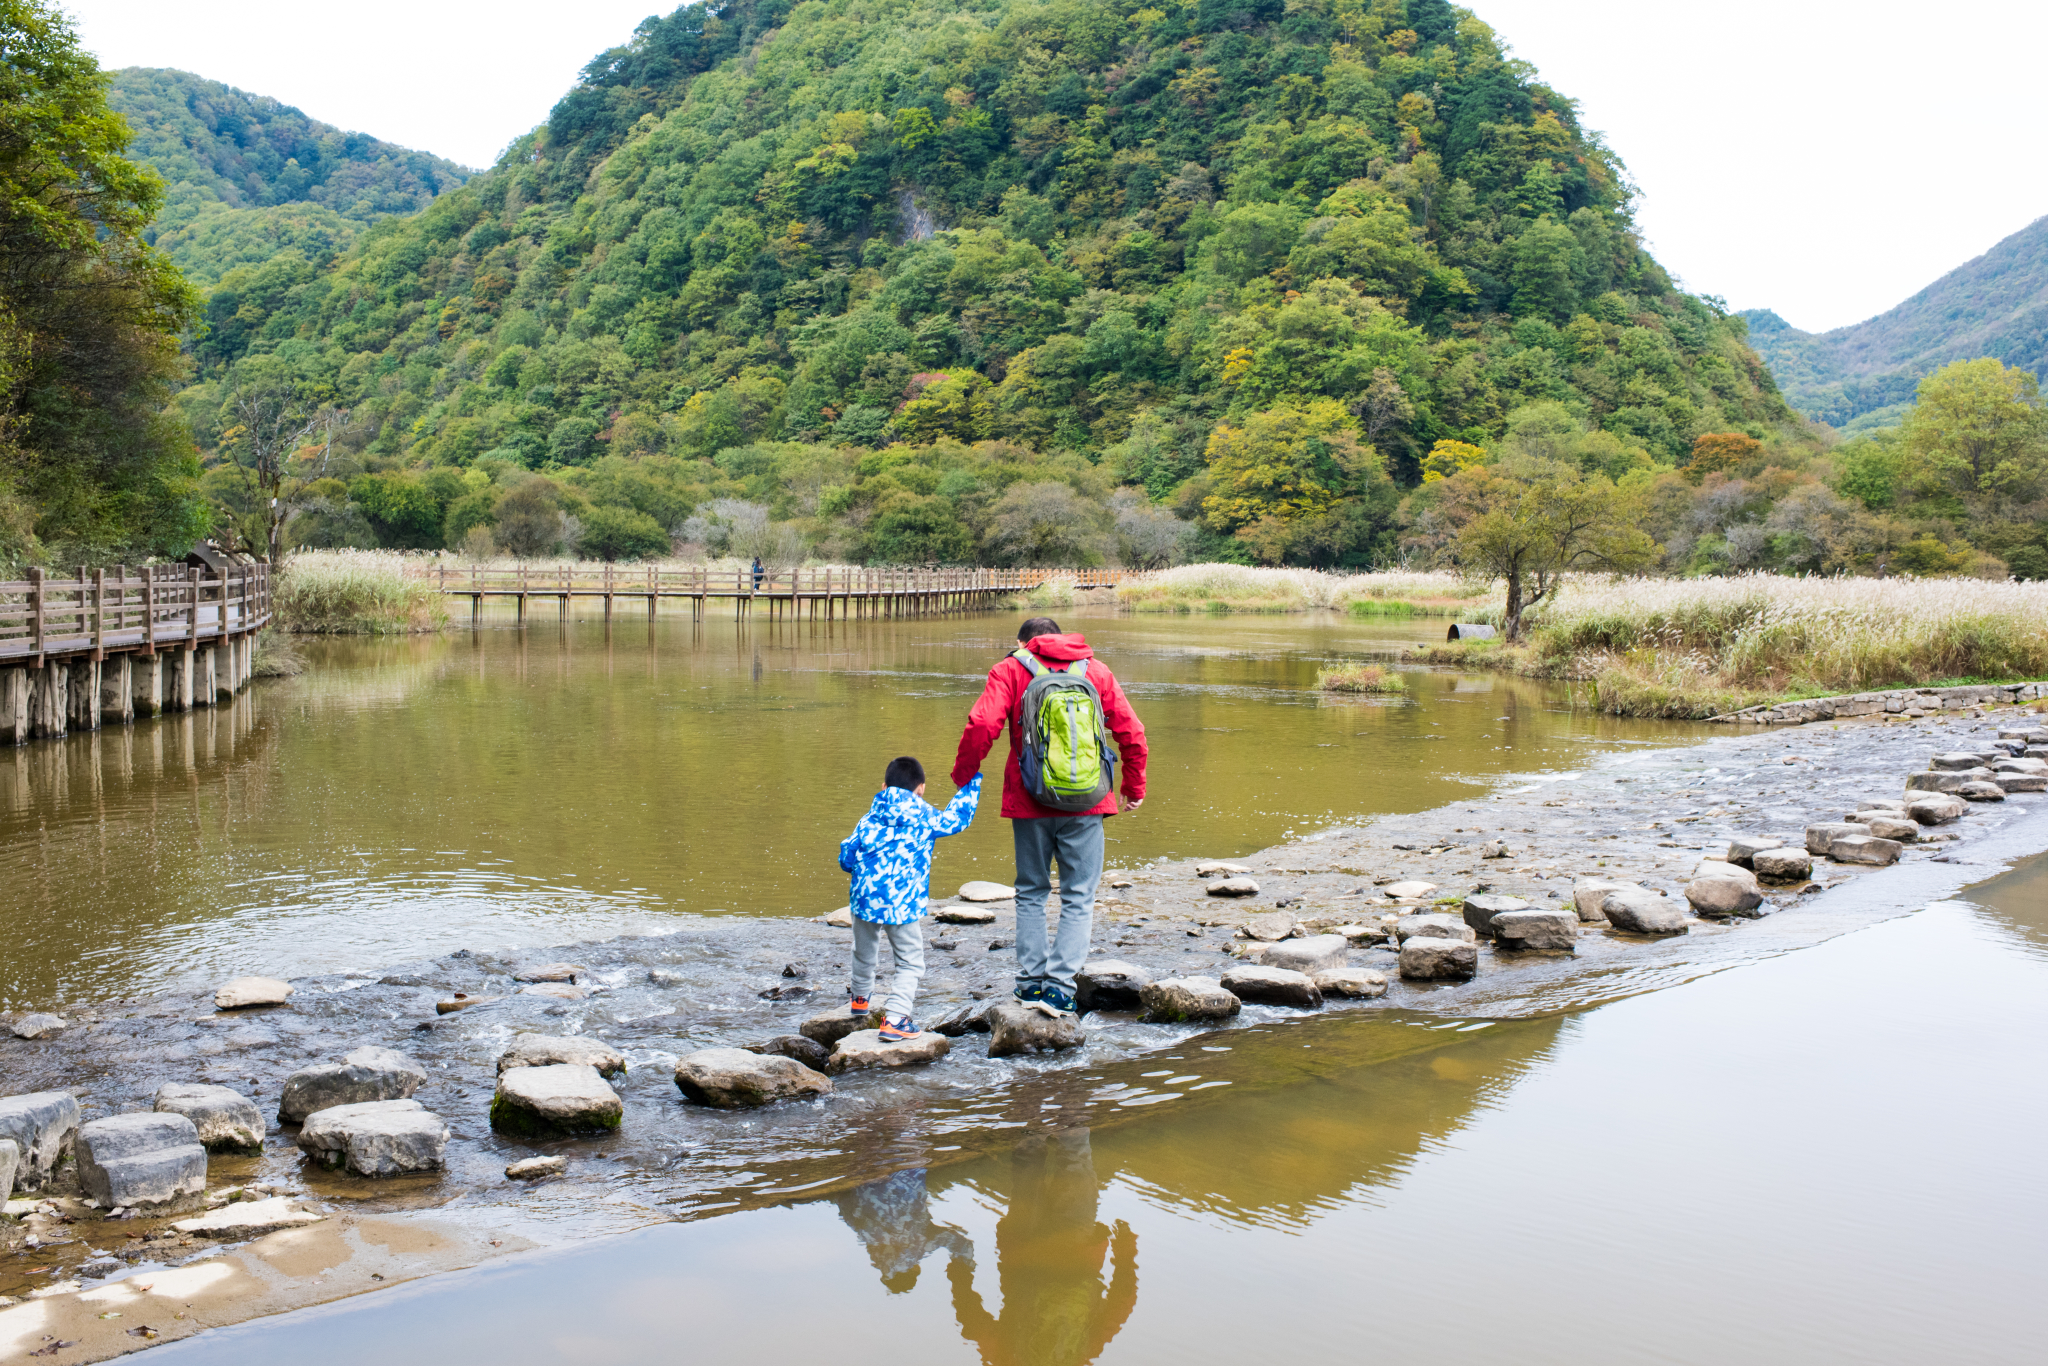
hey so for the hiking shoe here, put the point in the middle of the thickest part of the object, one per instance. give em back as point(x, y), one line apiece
point(898, 1029)
point(1058, 998)
point(859, 1007)
point(1028, 993)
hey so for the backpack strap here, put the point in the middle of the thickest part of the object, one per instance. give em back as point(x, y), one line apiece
point(1033, 665)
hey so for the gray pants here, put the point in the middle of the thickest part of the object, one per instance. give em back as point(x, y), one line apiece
point(906, 946)
point(1076, 841)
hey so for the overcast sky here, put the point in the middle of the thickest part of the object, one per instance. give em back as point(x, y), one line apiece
point(1825, 158)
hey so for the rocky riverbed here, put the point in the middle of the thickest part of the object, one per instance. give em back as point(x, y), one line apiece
point(1646, 818)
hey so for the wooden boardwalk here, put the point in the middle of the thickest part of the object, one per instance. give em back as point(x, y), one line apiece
point(830, 594)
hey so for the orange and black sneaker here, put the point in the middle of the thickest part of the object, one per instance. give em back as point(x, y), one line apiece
point(898, 1029)
point(859, 1007)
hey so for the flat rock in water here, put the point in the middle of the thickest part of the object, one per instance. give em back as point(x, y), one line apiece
point(1109, 984)
point(830, 1026)
point(1480, 910)
point(1956, 762)
point(39, 1026)
point(1273, 986)
point(1554, 930)
point(10, 1163)
point(549, 972)
point(140, 1160)
point(809, 1052)
point(1784, 865)
point(1217, 868)
point(1015, 1029)
point(377, 1138)
point(1408, 891)
point(2019, 782)
point(1721, 894)
point(964, 915)
point(864, 1048)
point(1233, 886)
point(42, 1125)
point(1268, 928)
point(1635, 911)
point(1432, 925)
point(1899, 828)
point(248, 1219)
point(734, 1079)
point(227, 1120)
point(987, 891)
point(1937, 809)
point(1981, 791)
point(1866, 849)
point(537, 1168)
point(1356, 983)
point(971, 1018)
point(245, 992)
point(667, 977)
point(2004, 766)
point(1880, 804)
point(546, 1050)
point(1819, 837)
point(1944, 782)
point(560, 991)
point(562, 1098)
point(1180, 999)
point(463, 1001)
point(841, 919)
point(1377, 933)
point(362, 1076)
point(1589, 892)
point(1744, 847)
point(1313, 954)
point(1430, 958)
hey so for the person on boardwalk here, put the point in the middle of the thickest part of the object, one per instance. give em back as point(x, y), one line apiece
point(760, 573)
point(1062, 705)
point(889, 855)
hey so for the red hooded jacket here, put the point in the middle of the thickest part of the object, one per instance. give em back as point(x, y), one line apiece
point(997, 707)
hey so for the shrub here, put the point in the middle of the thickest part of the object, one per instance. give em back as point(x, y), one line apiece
point(1365, 678)
point(355, 592)
point(615, 533)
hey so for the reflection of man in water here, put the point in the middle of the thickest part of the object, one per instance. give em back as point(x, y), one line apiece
point(1050, 1249)
point(893, 1217)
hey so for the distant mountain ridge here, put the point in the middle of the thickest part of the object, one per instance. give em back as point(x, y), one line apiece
point(1996, 305)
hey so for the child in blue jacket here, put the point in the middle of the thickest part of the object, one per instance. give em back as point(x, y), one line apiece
point(890, 856)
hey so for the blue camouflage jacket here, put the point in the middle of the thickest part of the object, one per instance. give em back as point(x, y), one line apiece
point(890, 852)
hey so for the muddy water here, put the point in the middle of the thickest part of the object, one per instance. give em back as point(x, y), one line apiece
point(406, 798)
point(1801, 1160)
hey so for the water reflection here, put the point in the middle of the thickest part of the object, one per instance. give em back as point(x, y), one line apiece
point(893, 1218)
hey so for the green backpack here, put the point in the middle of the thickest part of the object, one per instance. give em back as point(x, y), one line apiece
point(1065, 759)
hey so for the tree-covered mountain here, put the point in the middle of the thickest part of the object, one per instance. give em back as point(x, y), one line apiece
point(247, 176)
point(1996, 305)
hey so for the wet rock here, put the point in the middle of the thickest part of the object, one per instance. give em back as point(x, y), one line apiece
point(1554, 931)
point(809, 1052)
point(1819, 837)
point(1745, 847)
point(1431, 958)
point(1109, 984)
point(1269, 928)
point(1479, 911)
point(1938, 809)
point(362, 1076)
point(2016, 782)
point(560, 991)
point(2034, 766)
point(1944, 782)
point(1956, 762)
point(841, 919)
point(141, 1161)
point(244, 992)
point(548, 1050)
point(1015, 1029)
point(564, 1098)
point(1177, 1000)
point(1870, 804)
point(1217, 868)
point(734, 1079)
point(987, 891)
point(1784, 865)
point(968, 1019)
point(1233, 886)
point(10, 1163)
point(828, 1027)
point(1898, 828)
point(1273, 987)
point(43, 1125)
point(1981, 791)
point(1589, 892)
point(667, 977)
point(787, 993)
point(1868, 849)
point(1432, 925)
point(1361, 935)
point(248, 1219)
point(1497, 849)
point(377, 1138)
point(1408, 891)
point(1313, 954)
point(550, 972)
point(964, 915)
point(537, 1168)
point(227, 1120)
point(39, 1026)
point(1356, 983)
point(1635, 911)
point(1734, 892)
point(864, 1049)
point(463, 1001)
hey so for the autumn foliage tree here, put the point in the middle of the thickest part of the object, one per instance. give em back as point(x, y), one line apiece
point(1718, 453)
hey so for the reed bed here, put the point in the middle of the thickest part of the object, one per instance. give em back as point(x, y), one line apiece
point(1359, 678)
point(356, 592)
point(1242, 588)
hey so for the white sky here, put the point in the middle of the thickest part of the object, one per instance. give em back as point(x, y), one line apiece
point(1826, 158)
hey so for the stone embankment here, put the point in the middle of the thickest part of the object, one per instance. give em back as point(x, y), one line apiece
point(1908, 703)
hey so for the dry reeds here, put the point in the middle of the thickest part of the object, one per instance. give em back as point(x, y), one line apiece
point(355, 592)
point(1359, 678)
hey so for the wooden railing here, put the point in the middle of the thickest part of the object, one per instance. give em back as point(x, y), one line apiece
point(628, 580)
point(124, 609)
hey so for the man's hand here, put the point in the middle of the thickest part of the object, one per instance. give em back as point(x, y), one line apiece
point(1124, 803)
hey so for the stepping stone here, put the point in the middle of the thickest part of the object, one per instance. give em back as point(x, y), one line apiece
point(1633, 910)
point(1273, 986)
point(809, 1052)
point(1899, 828)
point(1015, 1029)
point(1880, 804)
point(864, 1049)
point(1743, 848)
point(546, 1050)
point(964, 915)
point(1366, 934)
point(987, 891)
point(248, 1219)
point(42, 1125)
point(364, 1075)
point(141, 1160)
point(536, 1168)
point(1938, 809)
point(549, 972)
point(227, 1120)
point(1956, 762)
point(2038, 767)
point(10, 1163)
point(377, 1138)
point(1313, 954)
point(1408, 891)
point(1589, 892)
point(1819, 837)
point(463, 1001)
point(1784, 865)
point(1216, 868)
point(1430, 958)
point(244, 992)
point(560, 991)
point(1178, 1000)
point(1109, 984)
point(1734, 892)
point(1944, 782)
point(830, 1026)
point(1356, 983)
point(1233, 886)
point(1480, 910)
point(40, 1026)
point(2020, 782)
point(562, 1098)
point(1269, 928)
point(1552, 930)
point(1866, 849)
point(734, 1079)
point(1432, 925)
point(841, 919)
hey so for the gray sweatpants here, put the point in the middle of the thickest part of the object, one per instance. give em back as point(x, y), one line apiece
point(1076, 841)
point(906, 946)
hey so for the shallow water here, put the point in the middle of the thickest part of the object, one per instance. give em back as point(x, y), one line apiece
point(409, 797)
point(1817, 1157)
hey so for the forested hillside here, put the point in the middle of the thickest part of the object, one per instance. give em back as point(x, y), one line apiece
point(247, 176)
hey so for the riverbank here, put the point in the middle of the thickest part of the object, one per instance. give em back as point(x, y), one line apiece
point(1646, 817)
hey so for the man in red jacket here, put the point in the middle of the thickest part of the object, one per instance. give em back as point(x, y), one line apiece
point(1045, 973)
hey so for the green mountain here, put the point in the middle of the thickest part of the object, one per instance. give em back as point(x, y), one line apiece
point(248, 176)
point(1996, 305)
point(882, 265)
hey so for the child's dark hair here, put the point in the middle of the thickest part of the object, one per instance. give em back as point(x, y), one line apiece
point(1036, 627)
point(905, 772)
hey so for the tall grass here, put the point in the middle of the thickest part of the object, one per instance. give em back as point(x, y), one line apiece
point(355, 592)
point(1363, 678)
point(1242, 588)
